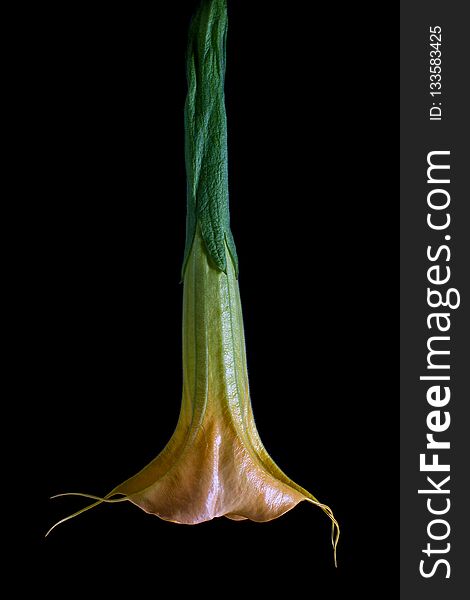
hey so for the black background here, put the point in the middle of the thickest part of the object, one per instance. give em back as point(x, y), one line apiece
point(311, 131)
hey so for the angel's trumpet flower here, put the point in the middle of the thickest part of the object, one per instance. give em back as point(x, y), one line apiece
point(215, 463)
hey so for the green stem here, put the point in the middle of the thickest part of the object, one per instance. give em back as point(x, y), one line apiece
point(206, 136)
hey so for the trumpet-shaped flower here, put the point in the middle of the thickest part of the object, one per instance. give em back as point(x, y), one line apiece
point(215, 463)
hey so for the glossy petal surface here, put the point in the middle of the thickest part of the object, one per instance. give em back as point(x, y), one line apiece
point(215, 463)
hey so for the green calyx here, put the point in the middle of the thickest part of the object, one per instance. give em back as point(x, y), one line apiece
point(206, 136)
